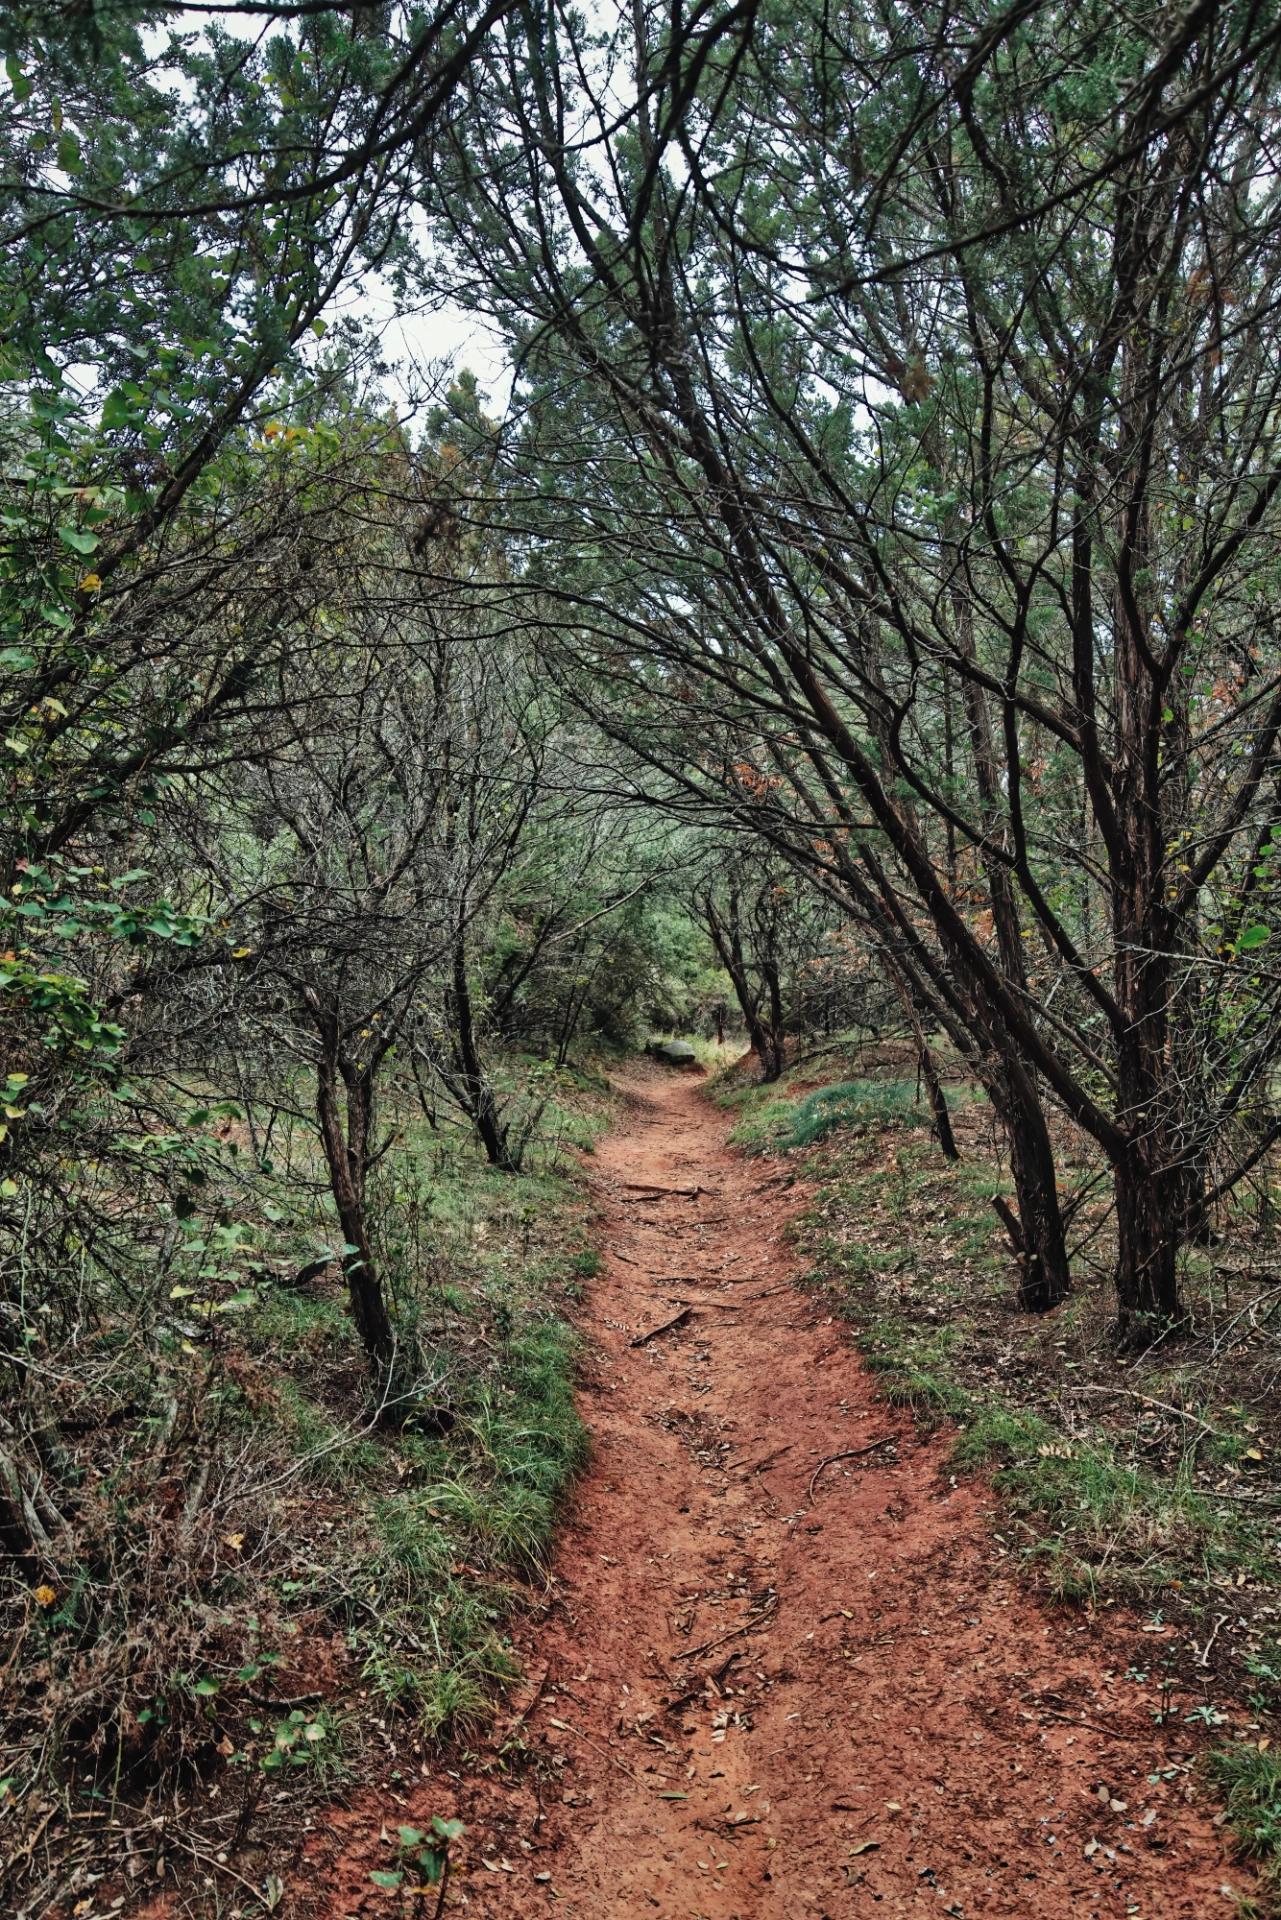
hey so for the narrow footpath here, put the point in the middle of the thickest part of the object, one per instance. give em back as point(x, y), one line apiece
point(784, 1672)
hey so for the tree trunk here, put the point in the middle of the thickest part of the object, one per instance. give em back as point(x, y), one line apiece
point(1147, 1289)
point(346, 1155)
point(473, 1083)
point(925, 1065)
point(776, 1031)
point(1040, 1240)
point(764, 1033)
point(771, 1049)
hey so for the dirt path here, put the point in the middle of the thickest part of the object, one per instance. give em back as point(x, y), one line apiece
point(761, 1694)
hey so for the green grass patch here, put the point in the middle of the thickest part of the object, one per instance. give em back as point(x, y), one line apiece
point(853, 1104)
point(913, 1371)
point(450, 1506)
point(1249, 1781)
point(475, 1509)
point(1130, 1528)
point(778, 1123)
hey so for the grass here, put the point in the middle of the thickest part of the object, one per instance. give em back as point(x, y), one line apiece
point(1102, 1521)
point(267, 1584)
point(774, 1120)
point(915, 1374)
point(446, 1521)
point(477, 1511)
point(852, 1105)
point(1248, 1777)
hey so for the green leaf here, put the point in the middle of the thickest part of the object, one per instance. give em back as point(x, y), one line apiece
point(77, 540)
point(382, 1878)
point(411, 1836)
point(239, 1301)
point(17, 79)
point(1254, 936)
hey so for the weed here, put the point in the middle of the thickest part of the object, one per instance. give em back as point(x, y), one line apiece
point(422, 1862)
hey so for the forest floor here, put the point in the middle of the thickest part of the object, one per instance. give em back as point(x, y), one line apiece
point(782, 1668)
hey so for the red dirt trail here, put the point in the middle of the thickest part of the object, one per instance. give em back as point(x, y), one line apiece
point(761, 1696)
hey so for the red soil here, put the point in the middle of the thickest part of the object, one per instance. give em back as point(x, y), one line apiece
point(766, 1696)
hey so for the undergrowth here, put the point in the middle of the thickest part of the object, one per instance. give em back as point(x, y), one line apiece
point(1119, 1484)
point(259, 1560)
point(1248, 1777)
point(780, 1124)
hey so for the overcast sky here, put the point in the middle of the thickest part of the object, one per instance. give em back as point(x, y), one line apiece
point(428, 338)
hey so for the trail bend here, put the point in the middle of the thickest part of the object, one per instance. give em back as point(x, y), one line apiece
point(759, 1694)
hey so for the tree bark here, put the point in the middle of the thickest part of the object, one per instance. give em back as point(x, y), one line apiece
point(346, 1157)
point(925, 1066)
point(1147, 1210)
point(471, 1079)
point(1041, 1242)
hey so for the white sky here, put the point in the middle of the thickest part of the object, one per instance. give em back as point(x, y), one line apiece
point(422, 346)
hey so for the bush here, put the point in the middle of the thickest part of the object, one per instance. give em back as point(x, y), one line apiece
point(853, 1104)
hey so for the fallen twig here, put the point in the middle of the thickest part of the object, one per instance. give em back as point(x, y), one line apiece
point(677, 1320)
point(608, 1752)
point(1146, 1400)
point(850, 1453)
point(518, 1719)
point(1203, 1658)
point(700, 1684)
point(220, 1866)
point(769, 1459)
point(652, 1187)
point(1092, 1726)
point(734, 1632)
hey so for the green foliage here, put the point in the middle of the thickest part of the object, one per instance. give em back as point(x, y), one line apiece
point(855, 1104)
point(1094, 1504)
point(300, 1740)
point(1249, 1778)
point(422, 1856)
point(781, 1123)
point(444, 1543)
point(913, 1372)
